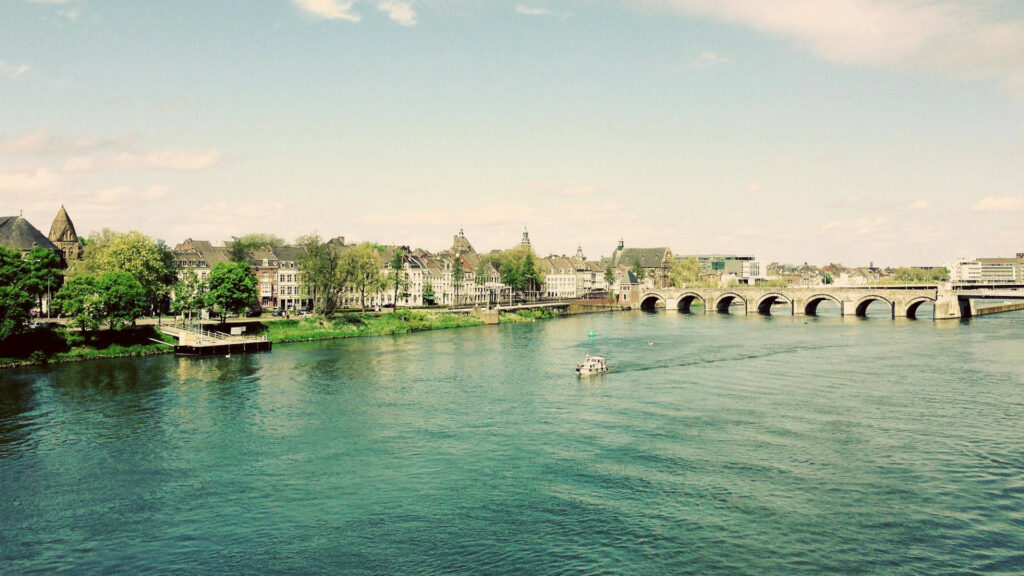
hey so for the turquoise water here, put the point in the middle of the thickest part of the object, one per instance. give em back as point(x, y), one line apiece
point(730, 445)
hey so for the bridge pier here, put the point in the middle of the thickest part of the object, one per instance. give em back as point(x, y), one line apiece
point(949, 306)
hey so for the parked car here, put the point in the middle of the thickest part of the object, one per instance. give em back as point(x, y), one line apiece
point(303, 313)
point(278, 313)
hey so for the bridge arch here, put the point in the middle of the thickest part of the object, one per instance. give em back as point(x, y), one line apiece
point(725, 300)
point(687, 299)
point(652, 301)
point(916, 303)
point(864, 302)
point(811, 307)
point(764, 305)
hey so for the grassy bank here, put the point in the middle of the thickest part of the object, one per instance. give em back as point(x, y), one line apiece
point(355, 325)
point(58, 344)
point(521, 316)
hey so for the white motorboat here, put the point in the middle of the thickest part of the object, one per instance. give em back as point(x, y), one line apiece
point(592, 365)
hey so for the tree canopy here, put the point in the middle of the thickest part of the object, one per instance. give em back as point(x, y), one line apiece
point(323, 278)
point(919, 275)
point(122, 298)
point(242, 245)
point(189, 294)
point(518, 269)
point(43, 273)
point(362, 264)
point(150, 263)
point(683, 272)
point(15, 301)
point(79, 301)
point(396, 273)
point(231, 288)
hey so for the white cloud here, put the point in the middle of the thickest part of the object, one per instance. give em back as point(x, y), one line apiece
point(38, 179)
point(399, 11)
point(706, 60)
point(753, 187)
point(954, 37)
point(45, 143)
point(11, 70)
point(535, 11)
point(919, 205)
point(1002, 204)
point(330, 9)
point(176, 160)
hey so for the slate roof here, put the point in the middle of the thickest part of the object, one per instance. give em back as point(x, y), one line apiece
point(19, 234)
point(648, 257)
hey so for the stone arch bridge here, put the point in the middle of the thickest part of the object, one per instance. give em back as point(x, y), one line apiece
point(902, 301)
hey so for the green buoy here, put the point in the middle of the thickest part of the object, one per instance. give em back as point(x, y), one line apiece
point(591, 334)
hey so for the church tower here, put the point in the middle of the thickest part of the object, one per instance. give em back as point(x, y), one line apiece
point(63, 235)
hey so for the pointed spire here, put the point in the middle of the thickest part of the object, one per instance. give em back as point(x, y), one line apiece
point(63, 230)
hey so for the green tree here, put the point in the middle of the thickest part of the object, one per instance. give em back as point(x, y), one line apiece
point(428, 293)
point(43, 274)
point(684, 272)
point(15, 301)
point(241, 246)
point(231, 288)
point(323, 278)
point(362, 264)
point(458, 277)
point(609, 276)
point(482, 273)
point(518, 270)
point(826, 278)
point(396, 273)
point(80, 302)
point(189, 295)
point(122, 298)
point(638, 270)
point(132, 252)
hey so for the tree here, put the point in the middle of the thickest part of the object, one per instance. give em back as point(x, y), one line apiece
point(683, 272)
point(231, 289)
point(518, 270)
point(189, 294)
point(170, 274)
point(458, 276)
point(482, 273)
point(826, 278)
point(428, 293)
point(122, 298)
point(362, 264)
point(609, 276)
point(15, 301)
point(396, 273)
point(323, 278)
point(79, 301)
point(638, 270)
point(132, 252)
point(43, 275)
point(242, 245)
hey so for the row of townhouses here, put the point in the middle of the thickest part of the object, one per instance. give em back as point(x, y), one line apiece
point(280, 287)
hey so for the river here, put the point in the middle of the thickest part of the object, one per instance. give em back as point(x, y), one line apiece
point(718, 444)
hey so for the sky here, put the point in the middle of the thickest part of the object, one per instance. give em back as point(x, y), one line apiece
point(850, 131)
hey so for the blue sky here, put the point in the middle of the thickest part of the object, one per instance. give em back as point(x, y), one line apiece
point(848, 131)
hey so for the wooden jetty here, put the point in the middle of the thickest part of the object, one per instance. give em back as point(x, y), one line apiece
point(193, 341)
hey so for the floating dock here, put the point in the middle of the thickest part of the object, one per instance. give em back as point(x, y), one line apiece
point(198, 342)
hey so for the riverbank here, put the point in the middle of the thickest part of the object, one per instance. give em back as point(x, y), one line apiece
point(56, 344)
point(359, 325)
